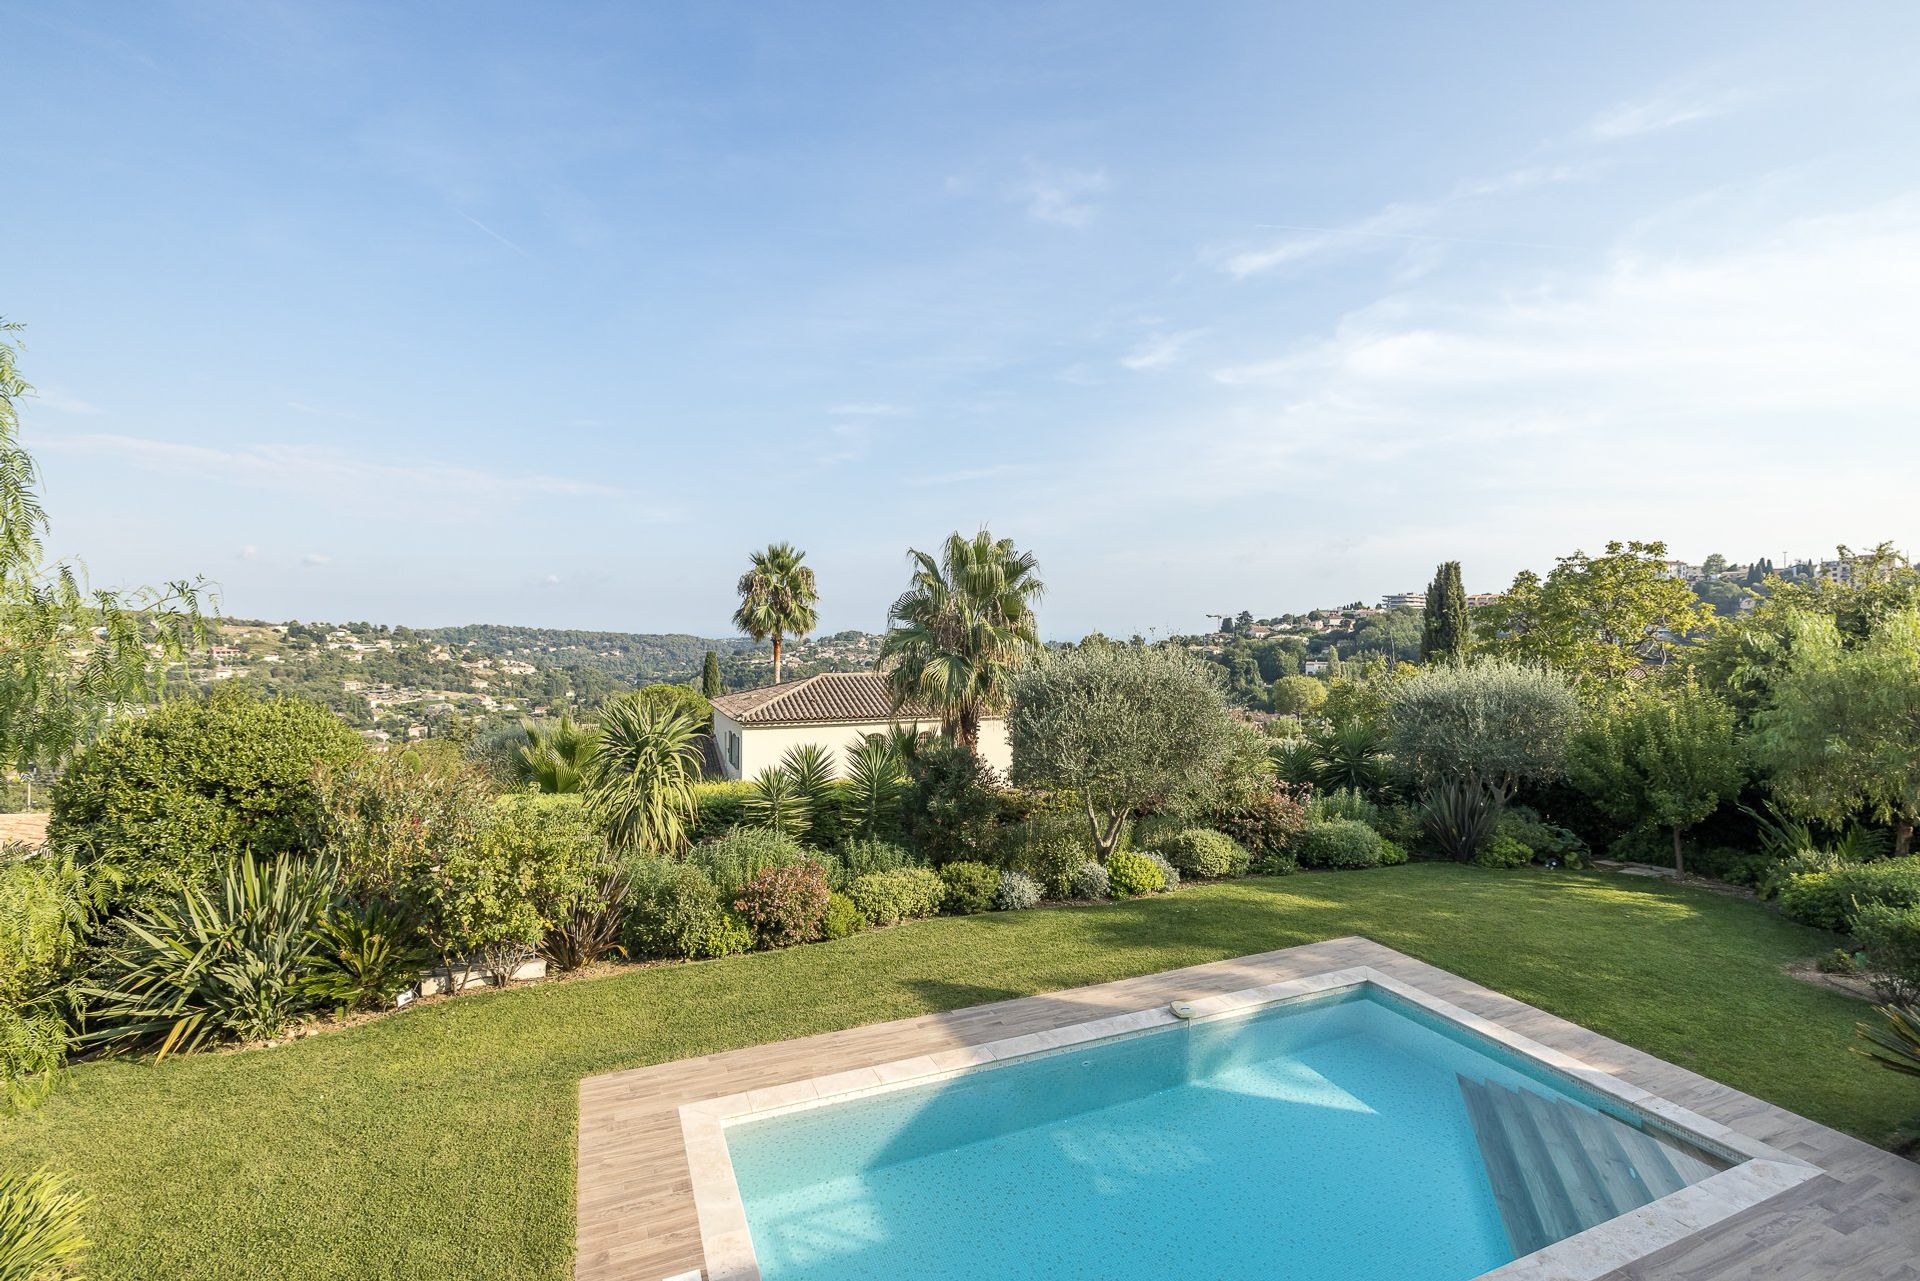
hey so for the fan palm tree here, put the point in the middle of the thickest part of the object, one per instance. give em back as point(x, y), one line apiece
point(777, 596)
point(962, 629)
point(555, 756)
point(641, 775)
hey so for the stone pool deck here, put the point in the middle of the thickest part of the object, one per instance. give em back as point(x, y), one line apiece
point(1858, 1220)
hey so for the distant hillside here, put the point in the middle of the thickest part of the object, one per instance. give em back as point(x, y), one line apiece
point(641, 657)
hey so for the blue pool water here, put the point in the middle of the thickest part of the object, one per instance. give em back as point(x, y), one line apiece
point(1317, 1141)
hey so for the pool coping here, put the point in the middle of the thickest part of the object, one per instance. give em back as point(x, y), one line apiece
point(1761, 1173)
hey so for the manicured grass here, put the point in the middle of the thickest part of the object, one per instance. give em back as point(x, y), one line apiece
point(439, 1143)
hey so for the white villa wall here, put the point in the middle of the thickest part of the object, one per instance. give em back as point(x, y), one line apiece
point(764, 745)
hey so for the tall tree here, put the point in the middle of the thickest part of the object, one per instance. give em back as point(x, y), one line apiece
point(1443, 632)
point(70, 655)
point(777, 598)
point(962, 629)
point(710, 675)
point(1667, 758)
point(1840, 736)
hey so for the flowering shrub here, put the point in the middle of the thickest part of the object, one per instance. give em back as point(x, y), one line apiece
point(887, 898)
point(1017, 892)
point(1204, 853)
point(970, 887)
point(1090, 881)
point(785, 905)
point(1129, 875)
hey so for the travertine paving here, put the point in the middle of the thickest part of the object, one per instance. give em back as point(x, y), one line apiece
point(1858, 1219)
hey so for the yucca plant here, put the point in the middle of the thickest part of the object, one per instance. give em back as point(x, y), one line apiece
point(1895, 1042)
point(1460, 815)
point(364, 956)
point(641, 775)
point(814, 777)
point(1351, 755)
point(875, 785)
point(208, 965)
point(777, 803)
point(41, 1233)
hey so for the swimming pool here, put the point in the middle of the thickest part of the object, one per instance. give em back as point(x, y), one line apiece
point(1347, 1132)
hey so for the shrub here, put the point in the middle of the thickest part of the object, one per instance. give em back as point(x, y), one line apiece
point(1549, 842)
point(1803, 862)
point(207, 965)
point(1016, 892)
point(389, 826)
point(42, 1237)
point(1089, 881)
point(677, 912)
point(1130, 874)
point(1392, 854)
point(1734, 866)
point(1503, 851)
point(1890, 936)
point(364, 955)
point(858, 858)
point(952, 802)
point(1823, 899)
point(1342, 802)
point(558, 851)
point(887, 898)
point(970, 887)
point(1205, 854)
point(718, 807)
point(1169, 874)
point(42, 918)
point(842, 919)
point(1342, 843)
point(1459, 816)
point(734, 860)
point(1049, 848)
point(785, 905)
point(168, 798)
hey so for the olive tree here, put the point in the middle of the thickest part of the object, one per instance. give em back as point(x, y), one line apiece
point(1494, 723)
point(1130, 728)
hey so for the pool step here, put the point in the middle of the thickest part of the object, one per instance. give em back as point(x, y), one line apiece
point(1558, 1168)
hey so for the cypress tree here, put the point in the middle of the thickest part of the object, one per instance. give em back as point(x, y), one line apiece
point(1443, 631)
point(710, 676)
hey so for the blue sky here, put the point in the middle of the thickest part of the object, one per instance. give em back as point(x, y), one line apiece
point(547, 314)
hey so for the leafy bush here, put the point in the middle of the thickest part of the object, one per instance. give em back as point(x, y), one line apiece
point(207, 965)
point(1734, 866)
point(785, 905)
point(1169, 874)
point(1089, 881)
point(1548, 841)
point(1050, 848)
point(1343, 802)
point(1804, 862)
point(388, 826)
point(676, 912)
point(718, 808)
point(558, 850)
point(970, 887)
point(887, 898)
point(1392, 854)
point(951, 804)
point(734, 860)
point(43, 915)
point(1823, 899)
point(168, 798)
point(1131, 874)
point(1016, 892)
point(42, 1237)
point(842, 919)
point(1204, 853)
point(1342, 843)
point(364, 955)
point(1890, 936)
point(1503, 851)
point(858, 858)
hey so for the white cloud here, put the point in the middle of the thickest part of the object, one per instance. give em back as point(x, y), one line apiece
point(1160, 350)
point(1062, 197)
point(249, 552)
point(868, 409)
point(61, 403)
point(313, 560)
point(1670, 107)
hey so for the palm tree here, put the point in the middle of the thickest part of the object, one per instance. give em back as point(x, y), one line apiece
point(777, 596)
point(641, 775)
point(961, 630)
point(555, 756)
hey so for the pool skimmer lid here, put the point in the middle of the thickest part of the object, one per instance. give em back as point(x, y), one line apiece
point(1181, 1009)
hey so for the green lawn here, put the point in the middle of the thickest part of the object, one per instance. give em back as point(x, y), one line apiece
point(439, 1143)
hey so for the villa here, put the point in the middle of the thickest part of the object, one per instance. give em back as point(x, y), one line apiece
point(754, 728)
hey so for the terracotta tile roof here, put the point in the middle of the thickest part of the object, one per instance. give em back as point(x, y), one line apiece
point(830, 697)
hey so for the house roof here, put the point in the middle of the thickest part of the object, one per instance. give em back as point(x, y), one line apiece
point(829, 698)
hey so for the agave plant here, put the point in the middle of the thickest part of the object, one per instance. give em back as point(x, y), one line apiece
point(777, 802)
point(41, 1238)
point(208, 965)
point(1461, 816)
point(1895, 1043)
point(875, 785)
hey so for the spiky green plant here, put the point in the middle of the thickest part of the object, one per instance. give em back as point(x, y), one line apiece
point(1893, 1043)
point(640, 779)
point(207, 965)
point(875, 784)
point(1460, 815)
point(42, 1233)
point(778, 804)
point(1350, 755)
point(364, 955)
point(555, 755)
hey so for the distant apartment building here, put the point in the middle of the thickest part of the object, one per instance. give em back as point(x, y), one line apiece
point(1683, 571)
point(1404, 600)
point(1480, 600)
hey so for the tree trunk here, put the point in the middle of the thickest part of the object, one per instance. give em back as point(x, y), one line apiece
point(776, 658)
point(966, 730)
point(1902, 838)
point(1679, 859)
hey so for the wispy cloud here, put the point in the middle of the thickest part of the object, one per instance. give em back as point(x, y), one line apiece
point(868, 409)
point(61, 403)
point(314, 560)
point(249, 552)
point(967, 475)
point(1405, 221)
point(1062, 197)
point(1160, 350)
point(1678, 105)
